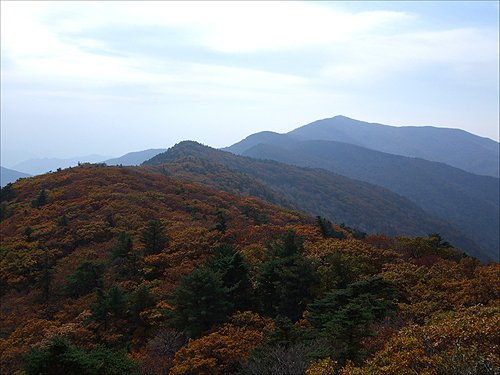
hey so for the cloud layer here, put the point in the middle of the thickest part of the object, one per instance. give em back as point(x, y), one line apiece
point(233, 57)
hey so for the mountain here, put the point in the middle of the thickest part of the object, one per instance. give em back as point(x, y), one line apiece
point(38, 166)
point(115, 270)
point(466, 199)
point(365, 206)
point(10, 175)
point(455, 147)
point(135, 158)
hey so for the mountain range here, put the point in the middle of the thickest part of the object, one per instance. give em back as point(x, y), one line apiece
point(9, 175)
point(377, 178)
point(455, 147)
point(466, 199)
point(315, 191)
point(36, 166)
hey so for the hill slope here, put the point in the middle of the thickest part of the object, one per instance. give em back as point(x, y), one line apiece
point(469, 200)
point(113, 270)
point(370, 208)
point(455, 147)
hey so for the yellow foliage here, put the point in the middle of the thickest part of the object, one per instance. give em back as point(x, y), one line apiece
point(222, 351)
point(464, 342)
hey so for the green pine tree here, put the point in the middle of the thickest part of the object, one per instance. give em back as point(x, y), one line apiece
point(284, 278)
point(87, 277)
point(344, 316)
point(230, 264)
point(153, 237)
point(200, 301)
point(46, 275)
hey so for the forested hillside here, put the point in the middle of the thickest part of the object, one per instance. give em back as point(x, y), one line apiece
point(361, 205)
point(466, 199)
point(113, 270)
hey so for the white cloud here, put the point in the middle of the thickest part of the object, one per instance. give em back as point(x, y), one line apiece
point(191, 61)
point(468, 54)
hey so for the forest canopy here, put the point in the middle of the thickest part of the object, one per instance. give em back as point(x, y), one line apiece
point(112, 270)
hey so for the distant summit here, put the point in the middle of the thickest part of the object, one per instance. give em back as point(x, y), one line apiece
point(135, 158)
point(38, 166)
point(10, 175)
point(455, 147)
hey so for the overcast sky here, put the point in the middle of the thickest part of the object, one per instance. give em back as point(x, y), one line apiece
point(111, 77)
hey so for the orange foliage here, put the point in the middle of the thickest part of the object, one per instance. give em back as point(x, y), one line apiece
point(224, 350)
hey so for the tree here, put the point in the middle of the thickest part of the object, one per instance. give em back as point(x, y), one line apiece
point(7, 193)
point(220, 222)
point(28, 231)
point(438, 241)
point(344, 316)
point(109, 307)
point(40, 200)
point(140, 300)
point(284, 278)
point(462, 342)
point(58, 356)
point(46, 275)
point(229, 263)
point(153, 238)
point(199, 302)
point(110, 220)
point(63, 221)
point(123, 260)
point(326, 228)
point(85, 279)
point(225, 349)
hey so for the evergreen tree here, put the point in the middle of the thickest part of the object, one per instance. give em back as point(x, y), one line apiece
point(7, 193)
point(220, 222)
point(100, 308)
point(438, 241)
point(123, 246)
point(85, 279)
point(200, 301)
point(344, 316)
point(230, 264)
point(59, 357)
point(117, 302)
point(140, 300)
point(110, 220)
point(153, 238)
point(109, 307)
point(326, 228)
point(123, 259)
point(40, 200)
point(28, 231)
point(63, 221)
point(285, 277)
point(46, 275)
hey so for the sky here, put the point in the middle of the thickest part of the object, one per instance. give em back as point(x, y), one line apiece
point(112, 77)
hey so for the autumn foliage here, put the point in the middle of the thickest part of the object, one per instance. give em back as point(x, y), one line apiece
point(162, 276)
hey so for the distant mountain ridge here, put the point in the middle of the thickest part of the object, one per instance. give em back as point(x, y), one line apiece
point(43, 165)
point(455, 147)
point(10, 175)
point(135, 158)
point(469, 200)
point(319, 192)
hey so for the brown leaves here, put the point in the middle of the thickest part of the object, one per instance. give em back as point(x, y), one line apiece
point(224, 350)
